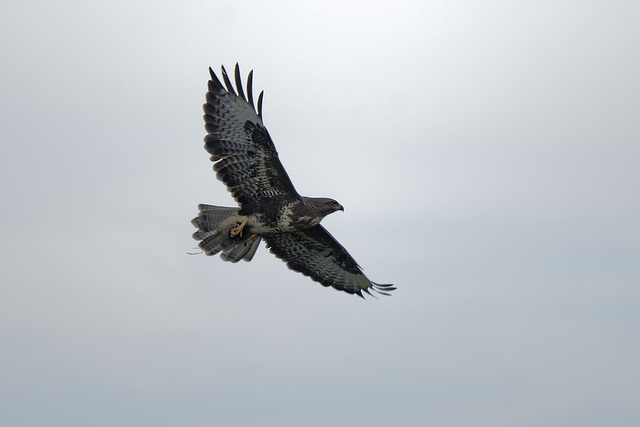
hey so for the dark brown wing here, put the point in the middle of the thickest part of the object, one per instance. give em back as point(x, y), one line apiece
point(245, 158)
point(315, 253)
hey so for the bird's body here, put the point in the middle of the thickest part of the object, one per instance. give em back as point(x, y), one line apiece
point(270, 208)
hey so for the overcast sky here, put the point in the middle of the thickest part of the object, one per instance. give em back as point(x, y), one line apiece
point(486, 152)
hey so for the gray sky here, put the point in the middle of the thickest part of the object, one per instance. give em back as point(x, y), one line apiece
point(486, 153)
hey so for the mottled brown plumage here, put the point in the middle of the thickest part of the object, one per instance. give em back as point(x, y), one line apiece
point(246, 161)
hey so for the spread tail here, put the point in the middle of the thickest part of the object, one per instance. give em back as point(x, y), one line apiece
point(214, 224)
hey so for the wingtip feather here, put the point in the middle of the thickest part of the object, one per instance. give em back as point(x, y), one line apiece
point(383, 289)
point(250, 89)
point(214, 82)
point(260, 104)
point(227, 82)
point(239, 82)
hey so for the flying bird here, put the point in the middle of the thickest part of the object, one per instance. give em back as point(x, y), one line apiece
point(269, 207)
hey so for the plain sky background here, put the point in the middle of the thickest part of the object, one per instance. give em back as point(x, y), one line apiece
point(487, 154)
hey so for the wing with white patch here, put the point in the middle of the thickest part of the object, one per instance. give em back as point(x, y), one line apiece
point(317, 254)
point(245, 158)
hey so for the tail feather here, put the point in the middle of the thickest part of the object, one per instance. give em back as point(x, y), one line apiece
point(243, 250)
point(214, 224)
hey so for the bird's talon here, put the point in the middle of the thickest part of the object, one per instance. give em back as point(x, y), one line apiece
point(237, 230)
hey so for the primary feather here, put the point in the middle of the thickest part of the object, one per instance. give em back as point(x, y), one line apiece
point(246, 161)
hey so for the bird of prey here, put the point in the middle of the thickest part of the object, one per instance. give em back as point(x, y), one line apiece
point(270, 208)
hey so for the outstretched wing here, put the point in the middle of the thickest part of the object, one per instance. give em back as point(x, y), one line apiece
point(315, 253)
point(245, 158)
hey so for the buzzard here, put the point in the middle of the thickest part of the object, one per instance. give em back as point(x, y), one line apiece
point(270, 208)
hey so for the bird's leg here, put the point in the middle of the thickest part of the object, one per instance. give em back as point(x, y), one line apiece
point(238, 228)
point(247, 239)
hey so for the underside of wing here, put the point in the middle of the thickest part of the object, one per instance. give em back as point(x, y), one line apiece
point(315, 253)
point(245, 158)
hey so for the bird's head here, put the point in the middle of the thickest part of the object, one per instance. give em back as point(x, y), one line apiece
point(334, 206)
point(324, 206)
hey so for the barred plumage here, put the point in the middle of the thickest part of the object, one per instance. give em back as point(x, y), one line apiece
point(246, 161)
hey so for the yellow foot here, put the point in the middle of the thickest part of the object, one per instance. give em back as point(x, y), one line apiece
point(238, 228)
point(247, 239)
